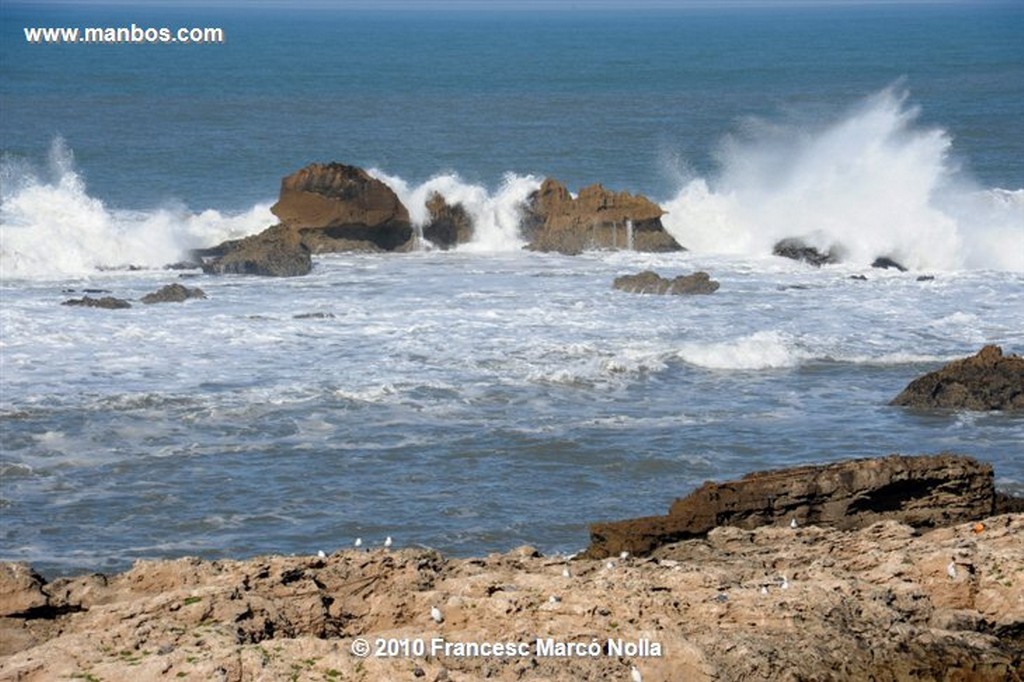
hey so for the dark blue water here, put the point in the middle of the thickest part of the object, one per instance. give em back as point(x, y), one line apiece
point(630, 99)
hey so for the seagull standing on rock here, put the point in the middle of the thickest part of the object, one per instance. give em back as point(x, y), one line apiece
point(358, 543)
point(951, 570)
point(793, 523)
point(387, 542)
point(634, 674)
point(435, 613)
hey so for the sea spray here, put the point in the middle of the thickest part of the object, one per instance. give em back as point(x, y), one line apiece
point(51, 227)
point(496, 215)
point(873, 184)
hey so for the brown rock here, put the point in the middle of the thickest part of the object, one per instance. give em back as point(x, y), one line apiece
point(649, 282)
point(173, 293)
point(986, 381)
point(20, 589)
point(108, 302)
point(449, 225)
point(276, 252)
point(928, 491)
point(335, 207)
point(876, 603)
point(596, 219)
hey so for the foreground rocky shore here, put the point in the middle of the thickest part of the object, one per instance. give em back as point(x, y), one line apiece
point(886, 601)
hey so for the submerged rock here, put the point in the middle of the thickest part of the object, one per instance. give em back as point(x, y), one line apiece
point(173, 293)
point(108, 302)
point(988, 380)
point(650, 282)
point(930, 491)
point(797, 249)
point(597, 219)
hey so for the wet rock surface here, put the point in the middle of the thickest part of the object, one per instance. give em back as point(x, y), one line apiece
point(173, 293)
point(650, 282)
point(986, 381)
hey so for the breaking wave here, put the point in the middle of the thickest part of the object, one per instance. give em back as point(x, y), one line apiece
point(874, 183)
point(51, 227)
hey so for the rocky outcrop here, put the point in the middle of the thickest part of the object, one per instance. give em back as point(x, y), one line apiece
point(986, 381)
point(885, 263)
point(597, 219)
point(108, 302)
point(797, 249)
point(334, 207)
point(930, 491)
point(881, 603)
point(449, 225)
point(650, 282)
point(173, 293)
point(276, 252)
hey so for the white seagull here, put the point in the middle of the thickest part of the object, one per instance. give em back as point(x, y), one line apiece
point(951, 569)
point(435, 613)
point(387, 542)
point(321, 554)
point(624, 555)
point(634, 674)
point(358, 543)
point(784, 584)
point(793, 523)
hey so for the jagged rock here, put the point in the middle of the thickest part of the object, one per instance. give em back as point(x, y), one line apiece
point(884, 263)
point(649, 282)
point(276, 252)
point(872, 604)
point(797, 249)
point(173, 293)
point(449, 225)
point(335, 207)
point(108, 302)
point(929, 491)
point(596, 219)
point(21, 589)
point(985, 381)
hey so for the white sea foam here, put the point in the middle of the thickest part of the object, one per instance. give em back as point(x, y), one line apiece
point(760, 350)
point(51, 227)
point(496, 216)
point(875, 183)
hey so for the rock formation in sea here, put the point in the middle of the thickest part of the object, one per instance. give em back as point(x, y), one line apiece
point(596, 219)
point(449, 225)
point(797, 249)
point(173, 293)
point(988, 380)
point(887, 601)
point(278, 251)
point(335, 207)
point(928, 492)
point(650, 282)
point(108, 302)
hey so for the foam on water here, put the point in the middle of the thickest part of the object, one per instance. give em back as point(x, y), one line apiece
point(875, 183)
point(496, 216)
point(760, 350)
point(50, 227)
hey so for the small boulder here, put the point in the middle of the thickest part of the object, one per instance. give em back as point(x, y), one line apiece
point(988, 380)
point(449, 225)
point(173, 293)
point(650, 282)
point(797, 249)
point(108, 302)
point(21, 589)
point(885, 263)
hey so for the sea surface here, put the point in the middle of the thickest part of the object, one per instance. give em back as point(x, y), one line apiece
point(478, 399)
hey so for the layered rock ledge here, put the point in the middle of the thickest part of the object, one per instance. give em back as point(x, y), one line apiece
point(885, 601)
point(988, 380)
point(650, 282)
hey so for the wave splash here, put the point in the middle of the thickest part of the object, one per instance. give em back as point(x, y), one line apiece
point(872, 184)
point(51, 227)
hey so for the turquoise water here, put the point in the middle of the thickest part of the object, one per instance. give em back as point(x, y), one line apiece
point(487, 397)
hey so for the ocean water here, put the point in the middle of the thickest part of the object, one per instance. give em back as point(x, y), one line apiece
point(487, 397)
